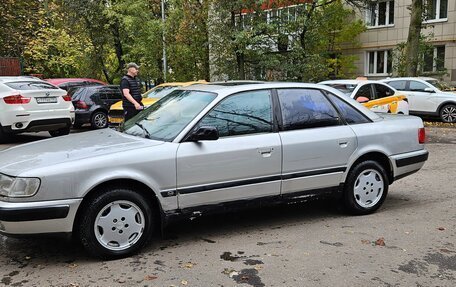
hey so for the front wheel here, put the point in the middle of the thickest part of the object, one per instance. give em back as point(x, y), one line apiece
point(366, 188)
point(116, 223)
point(448, 114)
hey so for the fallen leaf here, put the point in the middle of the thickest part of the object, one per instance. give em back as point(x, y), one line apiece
point(380, 242)
point(441, 228)
point(28, 257)
point(189, 265)
point(150, 277)
point(233, 273)
point(258, 267)
point(364, 241)
point(184, 282)
point(73, 265)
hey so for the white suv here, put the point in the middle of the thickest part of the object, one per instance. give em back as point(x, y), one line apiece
point(29, 104)
point(426, 97)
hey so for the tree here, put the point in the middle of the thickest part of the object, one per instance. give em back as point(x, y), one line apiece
point(412, 49)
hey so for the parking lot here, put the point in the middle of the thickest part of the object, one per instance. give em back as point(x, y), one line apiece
point(410, 241)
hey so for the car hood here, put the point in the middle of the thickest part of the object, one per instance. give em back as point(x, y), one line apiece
point(44, 153)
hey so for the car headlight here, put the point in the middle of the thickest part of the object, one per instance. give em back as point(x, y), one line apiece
point(18, 186)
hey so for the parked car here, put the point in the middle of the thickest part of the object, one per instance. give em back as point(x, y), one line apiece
point(68, 83)
point(425, 97)
point(364, 90)
point(28, 104)
point(116, 113)
point(92, 104)
point(203, 149)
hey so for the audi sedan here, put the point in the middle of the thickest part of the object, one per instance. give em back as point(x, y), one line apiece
point(202, 149)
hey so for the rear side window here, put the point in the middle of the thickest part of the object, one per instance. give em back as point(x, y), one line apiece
point(349, 113)
point(364, 91)
point(306, 108)
point(30, 85)
point(398, 85)
point(241, 114)
point(382, 91)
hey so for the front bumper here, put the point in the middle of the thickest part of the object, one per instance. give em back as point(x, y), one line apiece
point(55, 216)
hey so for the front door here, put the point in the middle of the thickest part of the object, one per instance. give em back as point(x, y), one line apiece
point(243, 164)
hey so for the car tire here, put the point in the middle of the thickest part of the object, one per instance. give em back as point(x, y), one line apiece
point(366, 188)
point(3, 135)
point(116, 223)
point(448, 113)
point(99, 120)
point(60, 132)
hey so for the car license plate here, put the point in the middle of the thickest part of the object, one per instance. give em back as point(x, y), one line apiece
point(115, 120)
point(46, 100)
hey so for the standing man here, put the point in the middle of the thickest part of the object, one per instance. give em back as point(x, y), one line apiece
point(131, 91)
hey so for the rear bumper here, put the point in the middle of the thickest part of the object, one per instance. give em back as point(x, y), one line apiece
point(40, 125)
point(83, 116)
point(408, 163)
point(38, 217)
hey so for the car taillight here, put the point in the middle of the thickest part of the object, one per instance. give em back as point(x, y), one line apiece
point(421, 136)
point(66, 98)
point(16, 100)
point(81, 105)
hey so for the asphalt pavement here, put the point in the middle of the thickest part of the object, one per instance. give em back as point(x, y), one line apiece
point(410, 241)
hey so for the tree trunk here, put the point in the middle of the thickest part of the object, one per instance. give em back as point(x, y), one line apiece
point(118, 45)
point(413, 40)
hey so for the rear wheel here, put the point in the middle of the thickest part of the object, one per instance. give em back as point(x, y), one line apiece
point(448, 113)
point(366, 187)
point(99, 120)
point(60, 132)
point(116, 223)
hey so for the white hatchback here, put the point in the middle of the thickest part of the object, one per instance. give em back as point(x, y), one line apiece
point(28, 104)
point(371, 90)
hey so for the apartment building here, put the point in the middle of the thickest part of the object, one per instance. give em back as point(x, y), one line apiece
point(388, 25)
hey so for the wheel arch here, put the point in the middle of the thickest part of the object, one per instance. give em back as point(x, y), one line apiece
point(379, 157)
point(447, 102)
point(133, 184)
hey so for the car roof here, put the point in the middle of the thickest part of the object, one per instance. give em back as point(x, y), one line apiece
point(19, 78)
point(349, 82)
point(410, 78)
point(58, 81)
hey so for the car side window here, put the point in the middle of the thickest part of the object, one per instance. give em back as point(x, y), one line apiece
point(398, 85)
point(364, 91)
point(382, 91)
point(245, 113)
point(348, 112)
point(306, 108)
point(417, 86)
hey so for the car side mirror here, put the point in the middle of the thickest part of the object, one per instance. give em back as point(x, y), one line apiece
point(362, 99)
point(429, 90)
point(204, 133)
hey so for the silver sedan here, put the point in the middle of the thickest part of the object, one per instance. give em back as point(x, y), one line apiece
point(203, 149)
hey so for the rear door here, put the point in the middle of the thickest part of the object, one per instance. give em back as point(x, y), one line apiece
point(316, 144)
point(419, 100)
point(243, 164)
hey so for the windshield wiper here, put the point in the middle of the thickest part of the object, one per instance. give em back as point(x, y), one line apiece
point(146, 132)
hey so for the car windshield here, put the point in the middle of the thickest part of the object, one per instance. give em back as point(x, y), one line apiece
point(344, 88)
point(159, 92)
point(440, 85)
point(165, 119)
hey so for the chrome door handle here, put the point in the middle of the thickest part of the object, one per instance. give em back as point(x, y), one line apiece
point(343, 143)
point(265, 152)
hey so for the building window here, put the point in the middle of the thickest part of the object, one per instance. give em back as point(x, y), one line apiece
point(380, 14)
point(434, 60)
point(436, 9)
point(379, 62)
